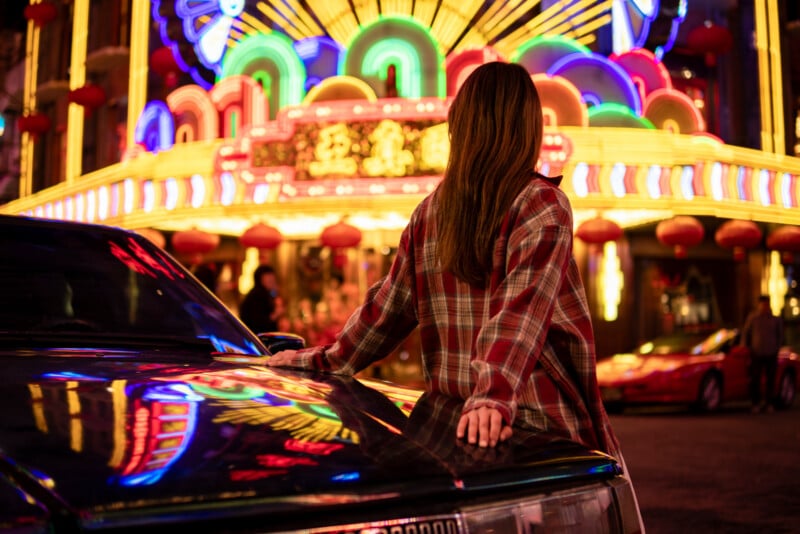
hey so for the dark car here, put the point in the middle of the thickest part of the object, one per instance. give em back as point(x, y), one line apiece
point(132, 399)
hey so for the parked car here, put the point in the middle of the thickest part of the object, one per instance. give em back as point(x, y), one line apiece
point(701, 370)
point(132, 399)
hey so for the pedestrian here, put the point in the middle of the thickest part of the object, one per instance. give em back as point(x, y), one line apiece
point(762, 334)
point(262, 307)
point(485, 269)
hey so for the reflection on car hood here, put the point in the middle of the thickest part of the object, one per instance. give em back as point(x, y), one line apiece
point(107, 436)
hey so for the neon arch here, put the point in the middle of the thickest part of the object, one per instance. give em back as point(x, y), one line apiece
point(155, 129)
point(598, 79)
point(241, 102)
point(322, 58)
point(274, 54)
point(197, 116)
point(540, 53)
point(411, 45)
point(459, 65)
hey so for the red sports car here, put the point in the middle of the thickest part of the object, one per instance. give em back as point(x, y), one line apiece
point(700, 370)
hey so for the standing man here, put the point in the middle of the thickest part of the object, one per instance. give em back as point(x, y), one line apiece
point(262, 307)
point(763, 335)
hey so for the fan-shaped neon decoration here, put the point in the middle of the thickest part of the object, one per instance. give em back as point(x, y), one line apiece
point(673, 110)
point(412, 50)
point(616, 115)
point(631, 22)
point(646, 72)
point(540, 53)
point(274, 54)
point(207, 25)
point(562, 104)
point(599, 80)
point(340, 88)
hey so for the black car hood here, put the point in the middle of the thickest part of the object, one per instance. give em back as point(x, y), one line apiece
point(103, 436)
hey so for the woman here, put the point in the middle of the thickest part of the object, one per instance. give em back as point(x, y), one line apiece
point(485, 269)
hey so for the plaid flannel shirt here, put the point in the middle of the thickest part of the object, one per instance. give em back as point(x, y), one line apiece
point(524, 345)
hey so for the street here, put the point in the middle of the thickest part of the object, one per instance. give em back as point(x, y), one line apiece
point(728, 473)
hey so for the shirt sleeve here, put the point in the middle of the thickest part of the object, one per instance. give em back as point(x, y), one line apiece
point(384, 319)
point(537, 256)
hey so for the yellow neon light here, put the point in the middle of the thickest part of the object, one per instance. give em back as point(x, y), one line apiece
point(774, 282)
point(77, 77)
point(611, 282)
point(75, 423)
point(29, 104)
point(120, 405)
point(137, 80)
point(37, 404)
point(776, 77)
point(351, 86)
point(762, 49)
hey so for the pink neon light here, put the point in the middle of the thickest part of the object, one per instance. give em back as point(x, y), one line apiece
point(192, 106)
point(642, 66)
point(665, 182)
point(630, 180)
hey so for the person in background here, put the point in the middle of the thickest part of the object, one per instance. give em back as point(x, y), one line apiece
point(762, 334)
point(485, 269)
point(262, 307)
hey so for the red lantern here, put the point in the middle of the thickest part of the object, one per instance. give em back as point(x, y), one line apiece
point(785, 239)
point(163, 63)
point(261, 236)
point(598, 230)
point(41, 13)
point(90, 96)
point(194, 243)
point(154, 236)
point(680, 232)
point(710, 40)
point(34, 124)
point(340, 235)
point(738, 235)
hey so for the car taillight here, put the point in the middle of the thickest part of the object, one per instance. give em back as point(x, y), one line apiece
point(595, 509)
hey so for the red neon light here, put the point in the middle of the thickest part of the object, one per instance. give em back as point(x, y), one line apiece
point(244, 475)
point(322, 449)
point(277, 460)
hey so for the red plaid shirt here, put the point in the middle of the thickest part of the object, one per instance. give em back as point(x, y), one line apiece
point(524, 346)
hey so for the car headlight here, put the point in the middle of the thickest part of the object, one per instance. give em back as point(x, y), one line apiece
point(595, 509)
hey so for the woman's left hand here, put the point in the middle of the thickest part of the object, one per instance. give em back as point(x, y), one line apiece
point(281, 359)
point(484, 426)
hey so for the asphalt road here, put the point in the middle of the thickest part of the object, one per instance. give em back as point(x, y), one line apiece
point(727, 473)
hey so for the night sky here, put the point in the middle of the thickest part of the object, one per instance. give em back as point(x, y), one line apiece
point(11, 14)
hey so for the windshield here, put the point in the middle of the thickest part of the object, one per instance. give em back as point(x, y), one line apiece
point(97, 284)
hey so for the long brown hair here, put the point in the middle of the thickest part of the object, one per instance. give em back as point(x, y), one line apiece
point(495, 124)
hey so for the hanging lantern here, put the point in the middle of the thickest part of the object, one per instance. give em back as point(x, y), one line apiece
point(163, 63)
point(34, 124)
point(738, 235)
point(41, 13)
point(680, 232)
point(598, 231)
point(152, 235)
point(340, 235)
point(786, 240)
point(710, 40)
point(261, 236)
point(194, 243)
point(90, 96)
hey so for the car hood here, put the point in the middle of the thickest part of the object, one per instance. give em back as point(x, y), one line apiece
point(101, 438)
